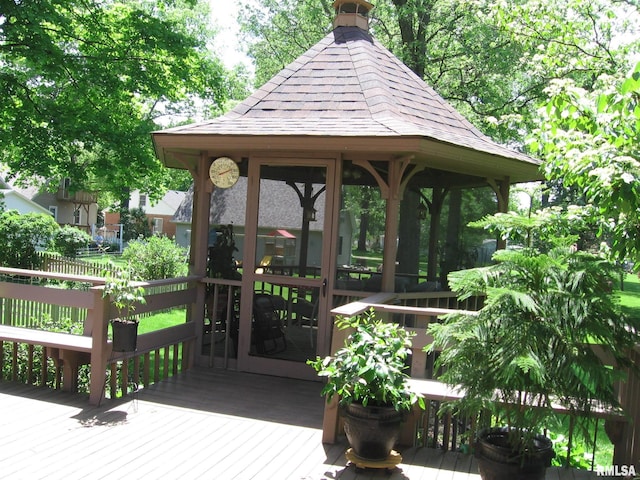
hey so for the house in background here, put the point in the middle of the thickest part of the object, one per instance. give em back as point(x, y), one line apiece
point(78, 209)
point(280, 222)
point(159, 214)
point(13, 200)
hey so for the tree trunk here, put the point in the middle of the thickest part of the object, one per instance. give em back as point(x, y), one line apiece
point(452, 251)
point(364, 224)
point(408, 256)
point(435, 210)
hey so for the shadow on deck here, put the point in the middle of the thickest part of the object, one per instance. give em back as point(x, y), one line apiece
point(201, 424)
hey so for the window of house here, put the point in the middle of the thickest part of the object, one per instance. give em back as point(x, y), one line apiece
point(76, 216)
point(54, 211)
point(65, 188)
point(157, 225)
point(143, 201)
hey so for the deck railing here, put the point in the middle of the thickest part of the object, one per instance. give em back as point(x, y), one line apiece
point(30, 298)
point(415, 311)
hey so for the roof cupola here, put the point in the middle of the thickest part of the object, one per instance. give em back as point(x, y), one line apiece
point(352, 13)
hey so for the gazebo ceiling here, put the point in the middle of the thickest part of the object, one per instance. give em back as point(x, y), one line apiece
point(348, 96)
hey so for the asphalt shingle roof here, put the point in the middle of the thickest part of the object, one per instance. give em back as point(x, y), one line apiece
point(279, 206)
point(348, 84)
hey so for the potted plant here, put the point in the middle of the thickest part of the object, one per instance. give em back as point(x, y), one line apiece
point(368, 374)
point(534, 343)
point(125, 294)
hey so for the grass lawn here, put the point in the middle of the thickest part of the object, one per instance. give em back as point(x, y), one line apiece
point(105, 259)
point(162, 320)
point(630, 295)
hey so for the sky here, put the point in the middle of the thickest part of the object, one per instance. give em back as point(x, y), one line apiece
point(224, 14)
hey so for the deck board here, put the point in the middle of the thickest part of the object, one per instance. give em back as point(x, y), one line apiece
point(201, 424)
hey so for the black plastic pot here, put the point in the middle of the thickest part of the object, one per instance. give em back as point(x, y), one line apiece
point(125, 335)
point(498, 461)
point(372, 431)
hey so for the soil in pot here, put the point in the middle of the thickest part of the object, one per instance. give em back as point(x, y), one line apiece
point(497, 461)
point(125, 335)
point(372, 431)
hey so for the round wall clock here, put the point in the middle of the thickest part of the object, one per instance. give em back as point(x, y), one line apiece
point(224, 172)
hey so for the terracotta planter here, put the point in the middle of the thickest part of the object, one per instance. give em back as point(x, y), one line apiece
point(372, 431)
point(497, 461)
point(125, 335)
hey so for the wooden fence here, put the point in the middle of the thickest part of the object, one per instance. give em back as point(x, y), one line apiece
point(72, 266)
point(33, 314)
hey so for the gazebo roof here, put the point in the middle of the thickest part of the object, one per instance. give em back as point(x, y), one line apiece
point(351, 89)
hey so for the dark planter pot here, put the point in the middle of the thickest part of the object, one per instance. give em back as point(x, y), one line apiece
point(372, 431)
point(497, 461)
point(125, 335)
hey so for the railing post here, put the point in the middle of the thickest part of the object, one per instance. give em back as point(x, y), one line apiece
point(331, 419)
point(626, 435)
point(98, 319)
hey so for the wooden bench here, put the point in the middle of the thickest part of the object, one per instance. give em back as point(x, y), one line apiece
point(66, 350)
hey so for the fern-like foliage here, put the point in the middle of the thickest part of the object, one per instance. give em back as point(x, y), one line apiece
point(548, 320)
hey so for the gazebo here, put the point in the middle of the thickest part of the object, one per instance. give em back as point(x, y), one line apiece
point(345, 113)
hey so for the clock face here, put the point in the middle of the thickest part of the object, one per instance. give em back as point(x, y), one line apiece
point(224, 172)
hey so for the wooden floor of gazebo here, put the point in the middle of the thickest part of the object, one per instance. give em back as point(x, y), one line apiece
point(202, 424)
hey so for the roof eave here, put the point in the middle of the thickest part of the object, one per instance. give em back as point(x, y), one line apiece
point(181, 150)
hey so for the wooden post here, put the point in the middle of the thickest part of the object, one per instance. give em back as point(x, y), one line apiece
point(98, 318)
point(626, 435)
point(331, 419)
point(391, 229)
point(71, 361)
point(30, 377)
point(202, 188)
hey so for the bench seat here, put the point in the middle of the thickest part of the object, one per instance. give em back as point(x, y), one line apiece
point(63, 341)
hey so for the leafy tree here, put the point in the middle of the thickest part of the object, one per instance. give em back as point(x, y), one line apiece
point(278, 31)
point(181, 180)
point(69, 240)
point(155, 258)
point(491, 59)
point(590, 141)
point(135, 224)
point(368, 208)
point(22, 235)
point(84, 81)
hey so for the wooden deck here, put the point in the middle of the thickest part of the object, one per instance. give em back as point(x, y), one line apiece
point(202, 424)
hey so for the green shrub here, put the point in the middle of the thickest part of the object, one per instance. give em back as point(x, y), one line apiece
point(580, 457)
point(155, 258)
point(69, 240)
point(22, 235)
point(136, 224)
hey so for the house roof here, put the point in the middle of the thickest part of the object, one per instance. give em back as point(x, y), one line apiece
point(167, 205)
point(29, 191)
point(16, 201)
point(348, 86)
point(281, 233)
point(279, 207)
